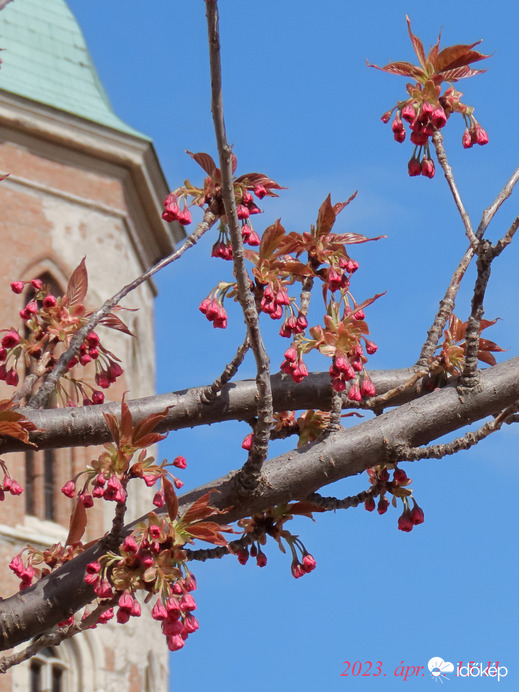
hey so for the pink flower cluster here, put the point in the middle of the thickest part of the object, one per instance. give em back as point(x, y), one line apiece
point(107, 486)
point(293, 365)
point(338, 278)
point(172, 211)
point(345, 370)
point(175, 613)
point(307, 565)
point(379, 478)
point(214, 311)
point(247, 207)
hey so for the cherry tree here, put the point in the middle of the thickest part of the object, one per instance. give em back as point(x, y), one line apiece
point(276, 274)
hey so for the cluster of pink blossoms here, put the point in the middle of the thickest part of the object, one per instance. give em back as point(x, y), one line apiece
point(172, 211)
point(379, 478)
point(148, 550)
point(9, 485)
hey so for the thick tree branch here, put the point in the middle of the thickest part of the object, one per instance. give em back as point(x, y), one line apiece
point(83, 426)
point(251, 472)
point(39, 400)
point(294, 475)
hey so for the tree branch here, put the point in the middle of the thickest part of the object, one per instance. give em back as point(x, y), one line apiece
point(251, 472)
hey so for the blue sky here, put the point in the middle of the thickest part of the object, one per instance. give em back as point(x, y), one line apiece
point(302, 107)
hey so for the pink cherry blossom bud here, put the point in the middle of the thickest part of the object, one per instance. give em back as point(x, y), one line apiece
point(414, 167)
point(3, 354)
point(260, 191)
point(17, 286)
point(400, 477)
point(354, 393)
point(370, 504)
point(399, 136)
point(184, 217)
point(359, 315)
point(383, 504)
point(397, 125)
point(428, 168)
point(126, 601)
point(309, 563)
point(204, 305)
point(123, 616)
point(136, 610)
point(247, 441)
point(191, 624)
point(12, 377)
point(242, 211)
point(404, 521)
point(481, 136)
point(261, 560)
point(187, 602)
point(106, 616)
point(371, 348)
point(103, 589)
point(101, 380)
point(11, 339)
point(367, 388)
point(416, 515)
point(86, 500)
point(175, 643)
point(69, 489)
point(37, 284)
point(159, 612)
point(254, 209)
point(97, 397)
point(16, 565)
point(466, 140)
point(297, 570)
point(254, 239)
point(409, 113)
point(130, 545)
point(180, 462)
point(243, 556)
point(438, 117)
point(158, 500)
point(190, 583)
point(386, 117)
point(49, 301)
point(302, 322)
point(173, 608)
point(419, 138)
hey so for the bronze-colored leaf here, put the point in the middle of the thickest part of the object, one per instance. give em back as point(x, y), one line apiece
point(149, 439)
point(78, 285)
point(205, 161)
point(352, 238)
point(199, 510)
point(305, 508)
point(171, 498)
point(486, 345)
point(402, 68)
point(457, 56)
point(460, 73)
point(325, 217)
point(417, 44)
point(486, 357)
point(78, 522)
point(113, 322)
point(339, 206)
point(126, 420)
point(147, 425)
point(271, 239)
point(113, 426)
point(208, 531)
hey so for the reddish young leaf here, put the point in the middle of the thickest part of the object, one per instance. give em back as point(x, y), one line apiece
point(78, 522)
point(113, 426)
point(209, 531)
point(339, 206)
point(200, 509)
point(148, 440)
point(271, 239)
point(78, 284)
point(486, 357)
point(205, 161)
point(234, 162)
point(457, 56)
point(402, 68)
point(114, 322)
point(325, 217)
point(147, 425)
point(352, 238)
point(126, 420)
point(171, 499)
point(305, 508)
point(417, 44)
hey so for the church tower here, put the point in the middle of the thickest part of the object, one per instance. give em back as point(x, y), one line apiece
point(82, 183)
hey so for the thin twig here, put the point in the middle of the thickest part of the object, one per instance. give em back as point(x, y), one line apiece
point(332, 503)
point(220, 551)
point(489, 213)
point(55, 638)
point(39, 400)
point(334, 423)
point(507, 238)
point(250, 474)
point(381, 401)
point(444, 163)
point(470, 439)
point(209, 393)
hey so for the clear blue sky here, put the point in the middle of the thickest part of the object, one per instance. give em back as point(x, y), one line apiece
point(302, 107)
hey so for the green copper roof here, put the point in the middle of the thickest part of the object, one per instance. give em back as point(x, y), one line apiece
point(46, 60)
